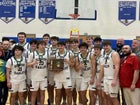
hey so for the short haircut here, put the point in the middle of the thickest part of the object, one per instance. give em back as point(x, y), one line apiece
point(33, 41)
point(22, 33)
point(55, 38)
point(40, 42)
point(5, 39)
point(74, 40)
point(46, 35)
point(106, 42)
point(89, 36)
point(97, 39)
point(83, 44)
point(17, 47)
point(67, 40)
point(98, 46)
point(12, 41)
point(61, 43)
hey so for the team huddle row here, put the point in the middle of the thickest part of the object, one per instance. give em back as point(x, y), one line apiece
point(87, 66)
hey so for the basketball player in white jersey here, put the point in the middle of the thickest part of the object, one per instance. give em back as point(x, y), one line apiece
point(99, 58)
point(76, 75)
point(22, 42)
point(68, 48)
point(52, 51)
point(15, 73)
point(110, 69)
point(86, 63)
point(33, 45)
point(63, 78)
point(38, 60)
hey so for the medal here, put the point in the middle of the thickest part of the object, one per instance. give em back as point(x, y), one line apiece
point(19, 67)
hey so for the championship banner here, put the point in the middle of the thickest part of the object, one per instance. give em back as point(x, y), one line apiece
point(7, 10)
point(47, 11)
point(127, 12)
point(27, 10)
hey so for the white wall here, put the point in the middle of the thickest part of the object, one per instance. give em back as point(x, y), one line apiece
point(107, 24)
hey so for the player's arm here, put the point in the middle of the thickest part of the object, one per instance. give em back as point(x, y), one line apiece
point(8, 70)
point(116, 62)
point(72, 60)
point(31, 61)
point(101, 74)
point(76, 66)
point(93, 64)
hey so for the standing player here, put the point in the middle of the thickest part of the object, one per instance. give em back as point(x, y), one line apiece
point(86, 63)
point(33, 44)
point(52, 51)
point(68, 48)
point(63, 78)
point(38, 60)
point(15, 73)
point(99, 58)
point(76, 75)
point(110, 69)
point(22, 42)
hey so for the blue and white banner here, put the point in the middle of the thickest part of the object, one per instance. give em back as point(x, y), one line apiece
point(7, 10)
point(27, 10)
point(127, 12)
point(47, 11)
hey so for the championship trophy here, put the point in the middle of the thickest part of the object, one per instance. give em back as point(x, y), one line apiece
point(56, 64)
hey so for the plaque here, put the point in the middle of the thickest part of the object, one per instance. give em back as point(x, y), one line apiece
point(56, 64)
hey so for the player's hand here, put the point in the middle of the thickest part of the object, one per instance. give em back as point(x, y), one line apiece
point(91, 81)
point(81, 66)
point(9, 85)
point(114, 83)
point(35, 62)
point(67, 61)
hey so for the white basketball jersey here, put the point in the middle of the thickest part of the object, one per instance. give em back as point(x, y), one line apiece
point(52, 51)
point(65, 74)
point(91, 49)
point(39, 71)
point(74, 73)
point(18, 68)
point(98, 62)
point(108, 65)
point(87, 70)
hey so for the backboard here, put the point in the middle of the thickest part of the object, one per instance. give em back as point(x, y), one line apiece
point(85, 9)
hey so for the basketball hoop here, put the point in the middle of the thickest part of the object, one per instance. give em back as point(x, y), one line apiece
point(74, 16)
